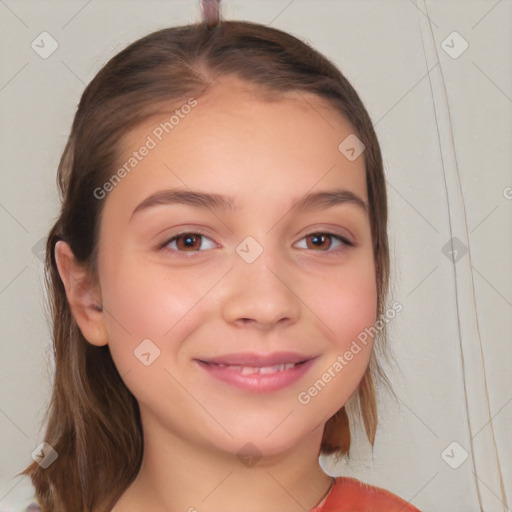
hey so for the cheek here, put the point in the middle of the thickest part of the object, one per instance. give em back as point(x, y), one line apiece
point(354, 313)
point(347, 310)
point(348, 304)
point(149, 305)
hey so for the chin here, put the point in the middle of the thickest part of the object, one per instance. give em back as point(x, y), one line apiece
point(266, 441)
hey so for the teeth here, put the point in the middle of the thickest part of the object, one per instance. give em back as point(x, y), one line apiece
point(272, 369)
point(247, 370)
point(264, 370)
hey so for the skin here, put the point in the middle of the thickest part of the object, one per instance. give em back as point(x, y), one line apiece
point(294, 296)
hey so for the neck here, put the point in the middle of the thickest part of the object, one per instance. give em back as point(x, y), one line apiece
point(177, 475)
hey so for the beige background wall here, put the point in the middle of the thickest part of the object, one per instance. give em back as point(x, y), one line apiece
point(443, 114)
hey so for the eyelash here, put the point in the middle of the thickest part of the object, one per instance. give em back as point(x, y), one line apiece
point(187, 254)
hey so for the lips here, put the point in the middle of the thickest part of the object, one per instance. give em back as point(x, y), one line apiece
point(258, 373)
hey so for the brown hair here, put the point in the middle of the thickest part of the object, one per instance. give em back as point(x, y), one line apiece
point(93, 420)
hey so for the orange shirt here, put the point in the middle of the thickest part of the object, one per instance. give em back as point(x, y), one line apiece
point(346, 495)
point(351, 495)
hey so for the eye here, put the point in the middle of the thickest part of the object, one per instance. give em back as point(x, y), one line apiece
point(195, 242)
point(188, 242)
point(324, 241)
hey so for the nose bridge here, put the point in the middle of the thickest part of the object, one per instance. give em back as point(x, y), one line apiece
point(260, 287)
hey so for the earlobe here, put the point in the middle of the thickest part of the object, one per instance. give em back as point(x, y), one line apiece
point(83, 295)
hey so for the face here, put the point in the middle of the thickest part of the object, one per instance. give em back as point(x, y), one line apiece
point(249, 310)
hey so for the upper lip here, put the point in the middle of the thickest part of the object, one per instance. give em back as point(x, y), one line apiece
point(257, 360)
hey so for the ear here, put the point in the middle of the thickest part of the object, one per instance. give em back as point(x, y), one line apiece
point(84, 296)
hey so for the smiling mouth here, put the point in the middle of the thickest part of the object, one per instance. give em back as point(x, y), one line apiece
point(257, 372)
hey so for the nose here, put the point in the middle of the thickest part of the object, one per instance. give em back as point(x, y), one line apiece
point(261, 293)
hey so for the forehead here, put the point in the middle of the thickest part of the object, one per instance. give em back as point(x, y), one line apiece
point(238, 140)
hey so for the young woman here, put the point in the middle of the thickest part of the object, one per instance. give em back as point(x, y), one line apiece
point(220, 252)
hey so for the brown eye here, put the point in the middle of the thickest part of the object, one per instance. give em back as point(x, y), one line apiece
point(319, 241)
point(188, 242)
point(325, 242)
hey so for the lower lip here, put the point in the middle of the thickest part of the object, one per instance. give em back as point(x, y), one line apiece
point(257, 382)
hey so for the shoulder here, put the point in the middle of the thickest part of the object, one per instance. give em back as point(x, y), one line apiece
point(350, 494)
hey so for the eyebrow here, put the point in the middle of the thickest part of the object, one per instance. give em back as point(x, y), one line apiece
point(311, 201)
